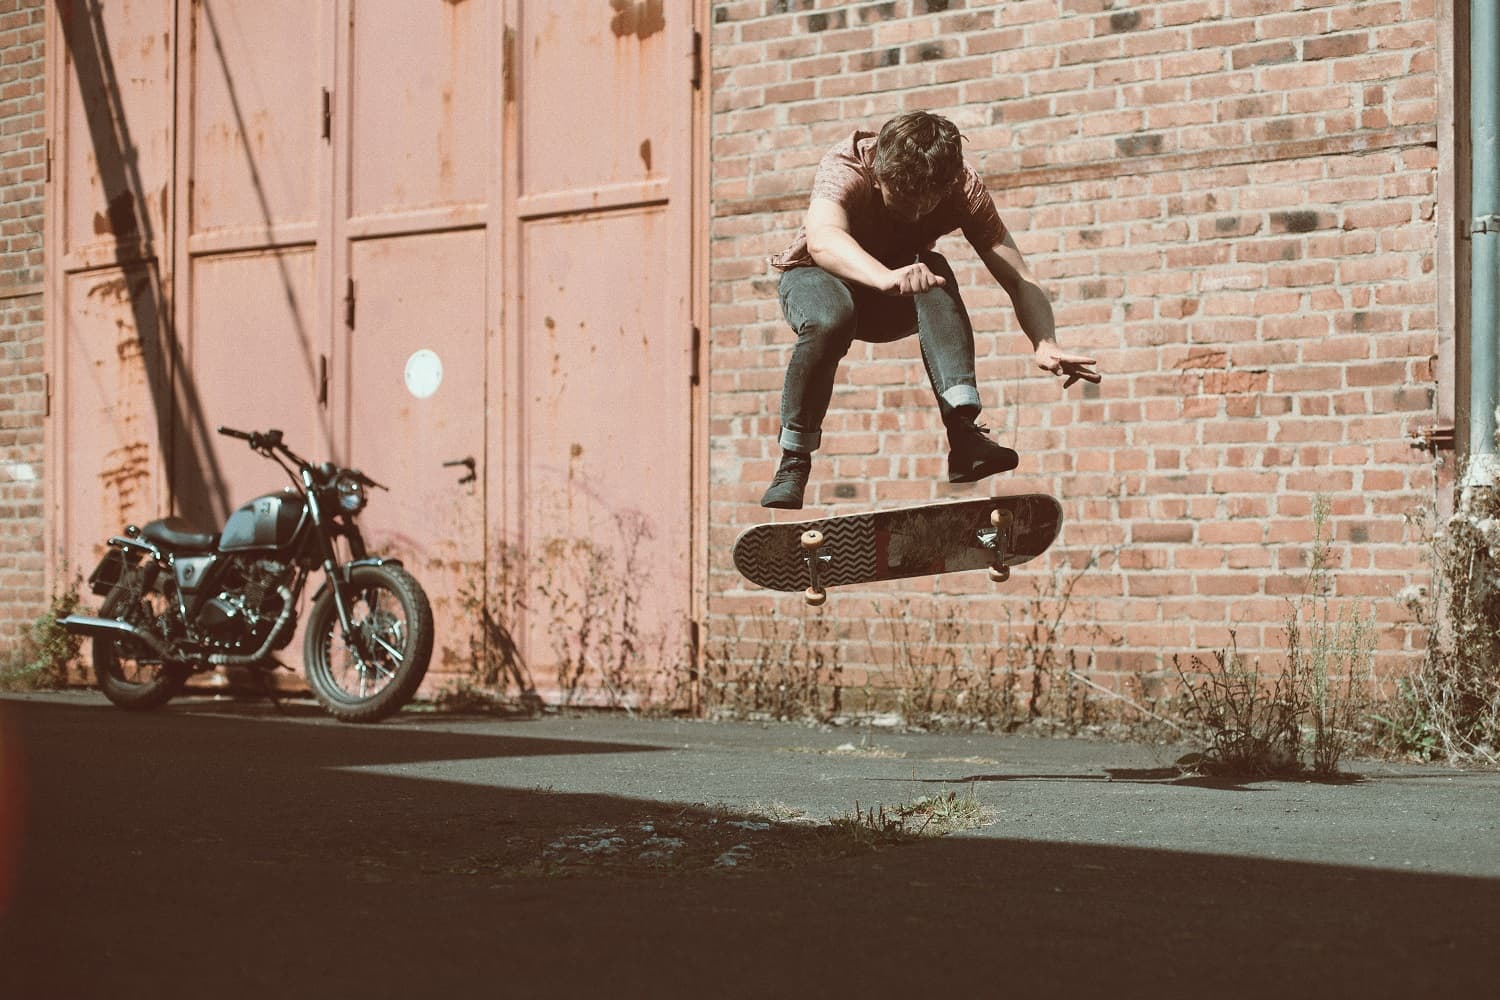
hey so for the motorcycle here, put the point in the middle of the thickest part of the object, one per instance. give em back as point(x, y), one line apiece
point(178, 602)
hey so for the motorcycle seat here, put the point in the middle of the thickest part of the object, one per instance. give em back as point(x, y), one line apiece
point(177, 534)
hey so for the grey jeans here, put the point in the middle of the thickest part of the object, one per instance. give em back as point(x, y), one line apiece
point(828, 314)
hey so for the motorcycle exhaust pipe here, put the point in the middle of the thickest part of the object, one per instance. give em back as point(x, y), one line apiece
point(109, 628)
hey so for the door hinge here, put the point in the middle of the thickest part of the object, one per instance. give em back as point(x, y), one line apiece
point(323, 380)
point(696, 377)
point(349, 303)
point(327, 114)
point(1433, 439)
point(697, 60)
point(508, 65)
point(47, 169)
point(46, 394)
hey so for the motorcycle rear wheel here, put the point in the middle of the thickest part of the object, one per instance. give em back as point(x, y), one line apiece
point(373, 677)
point(131, 675)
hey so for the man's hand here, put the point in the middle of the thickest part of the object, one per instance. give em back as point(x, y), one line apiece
point(910, 280)
point(1050, 358)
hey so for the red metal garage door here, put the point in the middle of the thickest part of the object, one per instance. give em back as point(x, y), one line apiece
point(407, 232)
point(599, 324)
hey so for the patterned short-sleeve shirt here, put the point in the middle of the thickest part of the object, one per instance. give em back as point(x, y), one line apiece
point(846, 175)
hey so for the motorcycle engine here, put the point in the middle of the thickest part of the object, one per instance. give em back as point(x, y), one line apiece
point(241, 617)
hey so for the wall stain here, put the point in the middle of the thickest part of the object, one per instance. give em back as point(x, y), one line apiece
point(641, 18)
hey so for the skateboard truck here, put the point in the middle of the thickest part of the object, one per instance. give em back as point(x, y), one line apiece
point(996, 539)
point(812, 543)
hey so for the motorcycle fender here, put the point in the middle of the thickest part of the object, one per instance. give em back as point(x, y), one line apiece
point(352, 564)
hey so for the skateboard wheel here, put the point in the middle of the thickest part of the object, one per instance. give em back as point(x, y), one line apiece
point(815, 597)
point(812, 539)
point(999, 574)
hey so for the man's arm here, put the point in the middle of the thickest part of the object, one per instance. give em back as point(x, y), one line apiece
point(1034, 312)
point(835, 250)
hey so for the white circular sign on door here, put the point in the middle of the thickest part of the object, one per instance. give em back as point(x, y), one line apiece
point(424, 373)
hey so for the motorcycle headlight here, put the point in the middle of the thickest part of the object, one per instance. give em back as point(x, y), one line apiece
point(352, 496)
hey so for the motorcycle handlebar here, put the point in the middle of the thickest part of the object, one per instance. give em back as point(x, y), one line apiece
point(258, 439)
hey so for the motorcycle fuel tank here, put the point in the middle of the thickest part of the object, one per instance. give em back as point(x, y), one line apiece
point(267, 522)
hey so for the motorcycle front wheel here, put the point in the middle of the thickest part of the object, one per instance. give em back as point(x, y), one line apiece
point(129, 673)
point(377, 668)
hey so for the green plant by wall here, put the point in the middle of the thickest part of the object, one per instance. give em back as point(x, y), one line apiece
point(1249, 725)
point(1451, 706)
point(1305, 718)
point(579, 603)
point(41, 658)
point(921, 664)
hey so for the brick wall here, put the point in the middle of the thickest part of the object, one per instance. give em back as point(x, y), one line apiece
point(22, 388)
point(1231, 205)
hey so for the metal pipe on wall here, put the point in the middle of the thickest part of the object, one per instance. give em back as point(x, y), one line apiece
point(1484, 324)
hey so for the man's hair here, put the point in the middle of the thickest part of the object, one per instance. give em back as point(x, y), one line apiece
point(918, 151)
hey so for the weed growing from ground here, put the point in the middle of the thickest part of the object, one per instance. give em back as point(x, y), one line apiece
point(584, 599)
point(1307, 717)
point(1451, 706)
point(1248, 727)
point(927, 816)
point(921, 669)
point(41, 658)
point(776, 666)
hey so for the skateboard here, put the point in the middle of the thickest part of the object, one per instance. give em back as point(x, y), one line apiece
point(995, 533)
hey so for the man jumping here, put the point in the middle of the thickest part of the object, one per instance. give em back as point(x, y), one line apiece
point(863, 268)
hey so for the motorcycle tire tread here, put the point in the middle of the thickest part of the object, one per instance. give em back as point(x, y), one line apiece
point(121, 692)
point(394, 696)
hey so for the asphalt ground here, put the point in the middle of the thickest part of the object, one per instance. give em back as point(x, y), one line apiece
point(219, 848)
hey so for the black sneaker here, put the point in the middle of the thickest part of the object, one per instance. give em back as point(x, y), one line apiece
point(974, 455)
point(789, 483)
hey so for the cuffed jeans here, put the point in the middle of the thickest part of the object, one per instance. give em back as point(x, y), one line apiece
point(829, 314)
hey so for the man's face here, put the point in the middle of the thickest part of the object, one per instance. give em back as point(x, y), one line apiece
point(910, 206)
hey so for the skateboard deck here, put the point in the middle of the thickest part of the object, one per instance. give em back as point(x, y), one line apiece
point(995, 532)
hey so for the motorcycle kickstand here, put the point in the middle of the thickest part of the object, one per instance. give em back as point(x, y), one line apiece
point(270, 691)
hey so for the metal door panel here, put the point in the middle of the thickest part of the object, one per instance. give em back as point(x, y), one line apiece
point(600, 329)
point(117, 126)
point(421, 293)
point(602, 103)
point(250, 363)
point(256, 119)
point(607, 405)
point(419, 106)
point(561, 132)
point(108, 449)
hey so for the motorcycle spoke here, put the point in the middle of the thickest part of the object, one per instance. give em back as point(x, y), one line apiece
point(366, 668)
point(391, 651)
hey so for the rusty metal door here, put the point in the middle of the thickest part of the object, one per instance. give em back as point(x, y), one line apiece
point(599, 335)
point(250, 143)
point(108, 245)
point(409, 233)
point(416, 144)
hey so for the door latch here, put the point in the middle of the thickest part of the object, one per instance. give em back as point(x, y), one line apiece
point(467, 463)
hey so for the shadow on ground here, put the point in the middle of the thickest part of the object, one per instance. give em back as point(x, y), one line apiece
point(187, 855)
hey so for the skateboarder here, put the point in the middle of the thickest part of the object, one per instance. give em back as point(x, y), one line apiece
point(863, 268)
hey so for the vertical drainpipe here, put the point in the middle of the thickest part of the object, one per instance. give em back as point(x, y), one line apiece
point(1484, 326)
